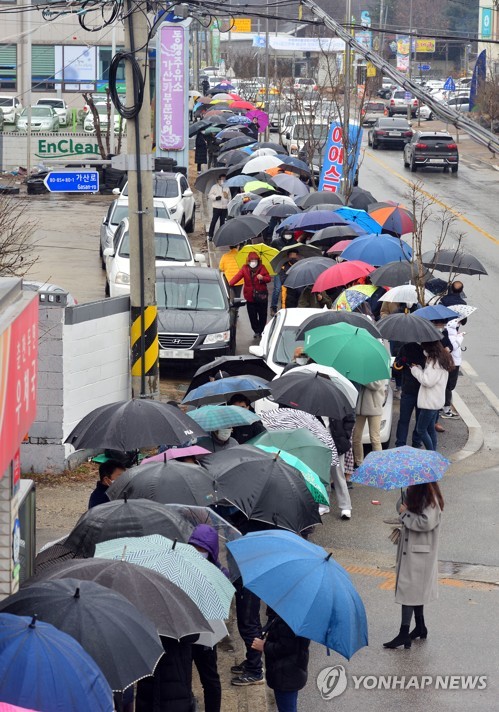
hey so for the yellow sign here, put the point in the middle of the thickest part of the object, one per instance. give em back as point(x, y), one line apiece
point(242, 24)
point(371, 70)
point(425, 45)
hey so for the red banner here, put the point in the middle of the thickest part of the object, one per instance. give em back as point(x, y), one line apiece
point(18, 371)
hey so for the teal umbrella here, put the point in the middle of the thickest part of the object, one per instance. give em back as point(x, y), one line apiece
point(181, 564)
point(312, 479)
point(303, 445)
point(214, 417)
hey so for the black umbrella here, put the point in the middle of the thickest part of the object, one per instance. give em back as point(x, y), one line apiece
point(134, 424)
point(453, 261)
point(233, 143)
point(116, 520)
point(394, 274)
point(305, 272)
point(206, 180)
point(329, 236)
point(407, 328)
point(263, 487)
point(170, 482)
point(238, 230)
point(303, 250)
point(232, 158)
point(320, 197)
point(231, 133)
point(314, 393)
point(360, 199)
point(170, 609)
point(283, 210)
point(216, 120)
point(244, 365)
point(324, 318)
point(234, 169)
point(270, 144)
point(321, 206)
point(198, 126)
point(121, 640)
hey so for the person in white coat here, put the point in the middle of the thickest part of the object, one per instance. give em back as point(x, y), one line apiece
point(370, 408)
point(456, 338)
point(431, 397)
point(219, 196)
point(420, 511)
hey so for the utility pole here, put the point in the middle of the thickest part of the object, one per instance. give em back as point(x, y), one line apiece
point(27, 78)
point(345, 178)
point(112, 136)
point(143, 310)
point(195, 57)
point(267, 53)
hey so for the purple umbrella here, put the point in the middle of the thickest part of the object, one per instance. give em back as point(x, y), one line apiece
point(262, 116)
point(174, 453)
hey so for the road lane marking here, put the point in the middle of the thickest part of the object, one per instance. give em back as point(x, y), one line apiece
point(454, 212)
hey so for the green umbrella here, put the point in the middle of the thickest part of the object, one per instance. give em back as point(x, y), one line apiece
point(203, 582)
point(312, 479)
point(212, 130)
point(303, 445)
point(350, 350)
point(257, 185)
point(215, 417)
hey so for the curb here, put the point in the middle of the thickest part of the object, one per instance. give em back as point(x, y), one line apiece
point(475, 432)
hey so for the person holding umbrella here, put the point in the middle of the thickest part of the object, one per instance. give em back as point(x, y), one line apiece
point(243, 433)
point(369, 408)
point(108, 472)
point(256, 278)
point(201, 150)
point(219, 197)
point(420, 512)
point(254, 128)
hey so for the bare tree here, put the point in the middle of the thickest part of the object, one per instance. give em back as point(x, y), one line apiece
point(487, 101)
point(16, 237)
point(103, 135)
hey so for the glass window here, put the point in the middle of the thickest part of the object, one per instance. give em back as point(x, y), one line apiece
point(8, 64)
point(194, 295)
point(121, 211)
point(172, 248)
point(43, 68)
point(286, 346)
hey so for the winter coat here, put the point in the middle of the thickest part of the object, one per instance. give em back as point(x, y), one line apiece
point(371, 397)
point(201, 151)
point(207, 538)
point(456, 339)
point(170, 688)
point(286, 657)
point(407, 355)
point(243, 433)
point(433, 382)
point(228, 265)
point(417, 557)
point(451, 299)
point(219, 191)
point(309, 300)
point(209, 442)
point(341, 432)
point(251, 283)
point(99, 495)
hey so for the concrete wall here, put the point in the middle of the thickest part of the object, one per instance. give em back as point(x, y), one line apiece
point(83, 363)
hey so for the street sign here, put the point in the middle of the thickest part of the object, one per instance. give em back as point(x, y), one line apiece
point(72, 182)
point(424, 67)
point(241, 24)
point(407, 96)
point(450, 84)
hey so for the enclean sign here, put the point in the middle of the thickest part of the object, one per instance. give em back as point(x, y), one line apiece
point(66, 147)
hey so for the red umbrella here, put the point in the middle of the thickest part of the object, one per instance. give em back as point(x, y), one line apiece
point(392, 217)
point(341, 274)
point(242, 104)
point(339, 247)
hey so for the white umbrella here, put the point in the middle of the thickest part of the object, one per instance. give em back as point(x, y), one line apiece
point(335, 376)
point(266, 203)
point(405, 294)
point(235, 205)
point(263, 152)
point(257, 165)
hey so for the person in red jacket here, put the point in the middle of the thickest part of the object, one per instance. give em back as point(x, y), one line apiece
point(255, 279)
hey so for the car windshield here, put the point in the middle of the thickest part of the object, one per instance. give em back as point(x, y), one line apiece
point(194, 295)
point(102, 109)
point(171, 248)
point(54, 103)
point(40, 111)
point(286, 345)
point(6, 101)
point(394, 123)
point(316, 131)
point(121, 211)
point(436, 139)
point(374, 106)
point(399, 95)
point(162, 187)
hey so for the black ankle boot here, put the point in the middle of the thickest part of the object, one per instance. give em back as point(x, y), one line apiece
point(420, 631)
point(403, 638)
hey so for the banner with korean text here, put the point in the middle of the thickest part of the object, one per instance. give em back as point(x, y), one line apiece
point(334, 161)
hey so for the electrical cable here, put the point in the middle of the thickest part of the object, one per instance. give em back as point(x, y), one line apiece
point(127, 112)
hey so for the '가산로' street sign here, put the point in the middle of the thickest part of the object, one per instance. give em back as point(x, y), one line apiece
point(72, 182)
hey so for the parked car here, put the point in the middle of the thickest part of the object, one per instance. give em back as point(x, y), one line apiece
point(389, 131)
point(196, 319)
point(59, 106)
point(172, 246)
point(304, 84)
point(432, 148)
point(118, 210)
point(11, 108)
point(398, 104)
point(102, 110)
point(372, 110)
point(288, 120)
point(277, 347)
point(424, 112)
point(301, 133)
point(459, 103)
point(43, 118)
point(176, 194)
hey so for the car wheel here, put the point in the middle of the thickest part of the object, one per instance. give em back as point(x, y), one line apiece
point(406, 163)
point(414, 167)
point(446, 169)
point(454, 169)
point(430, 117)
point(375, 145)
point(191, 225)
point(182, 222)
point(107, 291)
point(369, 142)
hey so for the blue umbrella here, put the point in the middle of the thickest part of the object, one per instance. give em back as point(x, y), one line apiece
point(45, 669)
point(360, 217)
point(312, 221)
point(400, 467)
point(233, 120)
point(222, 416)
point(305, 586)
point(249, 149)
point(436, 312)
point(377, 250)
point(250, 206)
point(238, 181)
point(221, 390)
point(293, 161)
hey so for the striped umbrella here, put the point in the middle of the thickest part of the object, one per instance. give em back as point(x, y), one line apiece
point(222, 416)
point(181, 564)
point(394, 218)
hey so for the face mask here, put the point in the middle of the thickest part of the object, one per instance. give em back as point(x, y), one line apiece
point(223, 434)
point(204, 554)
point(302, 360)
point(253, 264)
point(293, 260)
point(221, 181)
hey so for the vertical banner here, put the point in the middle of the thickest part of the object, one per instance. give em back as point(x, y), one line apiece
point(403, 51)
point(334, 163)
point(486, 23)
point(172, 91)
point(479, 76)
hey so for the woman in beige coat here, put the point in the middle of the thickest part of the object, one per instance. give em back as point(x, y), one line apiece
point(370, 408)
point(420, 511)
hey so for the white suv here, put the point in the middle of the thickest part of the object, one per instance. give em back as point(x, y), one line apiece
point(398, 103)
point(59, 106)
point(174, 190)
point(11, 108)
point(172, 249)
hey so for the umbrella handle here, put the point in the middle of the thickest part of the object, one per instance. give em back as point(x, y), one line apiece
point(124, 553)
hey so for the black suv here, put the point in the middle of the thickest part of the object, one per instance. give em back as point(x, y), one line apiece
point(432, 148)
point(388, 131)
